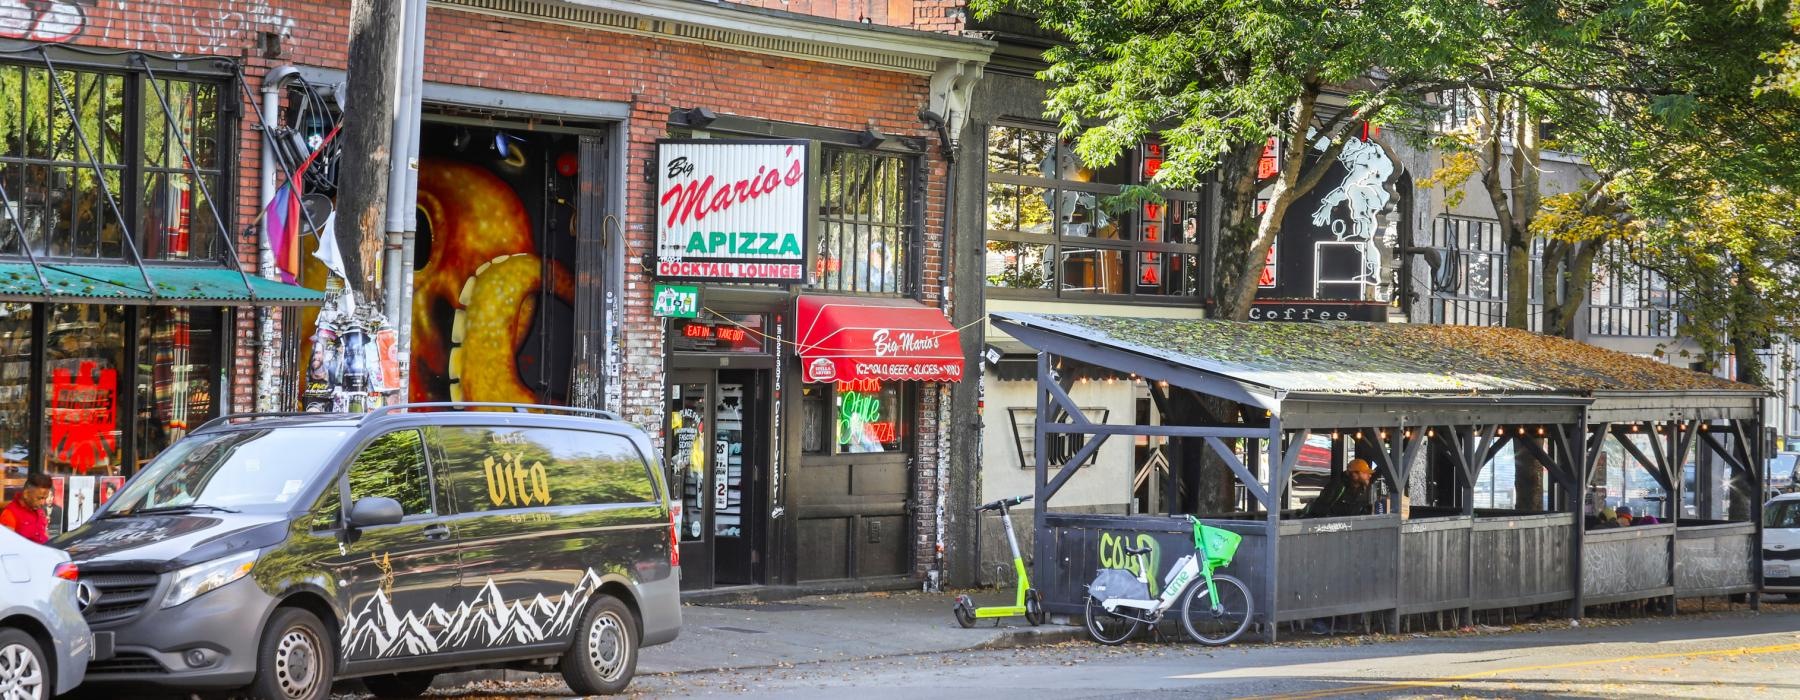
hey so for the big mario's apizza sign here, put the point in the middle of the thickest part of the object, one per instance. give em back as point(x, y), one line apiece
point(731, 210)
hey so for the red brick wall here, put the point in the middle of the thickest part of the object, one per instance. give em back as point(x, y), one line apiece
point(652, 76)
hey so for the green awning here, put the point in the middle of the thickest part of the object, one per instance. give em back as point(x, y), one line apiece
point(124, 284)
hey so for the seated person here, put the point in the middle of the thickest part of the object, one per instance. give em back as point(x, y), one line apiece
point(1608, 519)
point(1346, 493)
point(1624, 516)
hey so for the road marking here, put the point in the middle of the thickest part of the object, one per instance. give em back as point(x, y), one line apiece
point(1450, 680)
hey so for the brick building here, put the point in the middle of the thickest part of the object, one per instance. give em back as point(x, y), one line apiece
point(804, 446)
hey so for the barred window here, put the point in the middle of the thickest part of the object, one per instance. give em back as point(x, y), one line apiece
point(1469, 284)
point(868, 238)
point(60, 162)
point(1057, 226)
point(1628, 300)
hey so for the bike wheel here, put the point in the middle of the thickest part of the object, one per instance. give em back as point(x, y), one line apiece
point(965, 611)
point(1108, 628)
point(1034, 607)
point(1216, 625)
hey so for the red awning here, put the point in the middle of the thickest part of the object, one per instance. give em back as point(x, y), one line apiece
point(843, 339)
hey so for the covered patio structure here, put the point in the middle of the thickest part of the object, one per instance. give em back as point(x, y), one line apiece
point(1430, 408)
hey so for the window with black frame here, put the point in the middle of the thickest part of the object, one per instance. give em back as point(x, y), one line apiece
point(1057, 226)
point(71, 137)
point(868, 225)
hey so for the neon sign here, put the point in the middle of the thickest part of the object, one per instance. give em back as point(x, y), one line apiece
point(859, 413)
point(727, 333)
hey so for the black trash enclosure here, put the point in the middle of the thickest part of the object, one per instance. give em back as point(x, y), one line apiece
point(1429, 408)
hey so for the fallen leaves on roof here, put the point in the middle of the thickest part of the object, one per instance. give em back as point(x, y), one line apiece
point(1354, 357)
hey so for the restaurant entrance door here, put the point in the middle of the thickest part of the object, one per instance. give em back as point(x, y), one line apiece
point(718, 460)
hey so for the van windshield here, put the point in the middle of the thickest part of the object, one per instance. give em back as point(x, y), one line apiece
point(1782, 514)
point(256, 471)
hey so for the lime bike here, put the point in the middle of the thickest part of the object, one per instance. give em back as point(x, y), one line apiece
point(1215, 608)
point(1028, 602)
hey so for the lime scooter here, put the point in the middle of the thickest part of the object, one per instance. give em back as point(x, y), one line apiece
point(1028, 603)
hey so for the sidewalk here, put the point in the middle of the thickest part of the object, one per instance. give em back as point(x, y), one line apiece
point(836, 628)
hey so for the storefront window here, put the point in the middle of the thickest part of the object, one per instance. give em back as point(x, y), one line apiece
point(177, 371)
point(15, 395)
point(1056, 224)
point(858, 417)
point(84, 358)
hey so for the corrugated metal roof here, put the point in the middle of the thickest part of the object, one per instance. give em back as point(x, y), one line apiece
point(101, 282)
point(1382, 358)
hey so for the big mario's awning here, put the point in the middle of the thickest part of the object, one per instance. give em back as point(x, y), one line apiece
point(844, 339)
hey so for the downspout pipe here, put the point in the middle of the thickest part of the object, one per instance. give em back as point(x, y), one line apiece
point(405, 122)
point(267, 362)
point(410, 197)
point(948, 147)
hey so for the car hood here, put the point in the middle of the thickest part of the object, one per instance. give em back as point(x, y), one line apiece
point(164, 542)
point(1781, 539)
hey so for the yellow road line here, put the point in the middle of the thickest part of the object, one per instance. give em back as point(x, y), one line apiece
point(1449, 680)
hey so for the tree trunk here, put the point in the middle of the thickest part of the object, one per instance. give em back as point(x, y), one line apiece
point(367, 143)
point(1207, 485)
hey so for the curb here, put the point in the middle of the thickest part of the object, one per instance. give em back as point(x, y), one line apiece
point(1023, 637)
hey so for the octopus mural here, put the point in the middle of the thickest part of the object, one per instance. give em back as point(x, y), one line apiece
point(475, 299)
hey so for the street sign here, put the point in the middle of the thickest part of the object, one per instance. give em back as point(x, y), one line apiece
point(676, 301)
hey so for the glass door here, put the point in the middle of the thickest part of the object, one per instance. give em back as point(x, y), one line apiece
point(691, 452)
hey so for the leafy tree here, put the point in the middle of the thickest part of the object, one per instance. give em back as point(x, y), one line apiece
point(1217, 80)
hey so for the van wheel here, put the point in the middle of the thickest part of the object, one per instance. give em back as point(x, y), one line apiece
point(294, 660)
point(603, 655)
point(399, 685)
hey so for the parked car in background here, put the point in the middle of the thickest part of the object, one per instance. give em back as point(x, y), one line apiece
point(281, 553)
point(1781, 470)
point(44, 643)
point(1781, 545)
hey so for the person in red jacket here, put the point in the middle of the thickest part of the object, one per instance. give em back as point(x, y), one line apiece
point(26, 514)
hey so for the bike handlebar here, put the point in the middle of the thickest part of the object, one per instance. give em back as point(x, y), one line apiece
point(1004, 503)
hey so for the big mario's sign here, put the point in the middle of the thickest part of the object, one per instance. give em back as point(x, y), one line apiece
point(731, 210)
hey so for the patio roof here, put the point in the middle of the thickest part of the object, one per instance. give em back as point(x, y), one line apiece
point(1386, 359)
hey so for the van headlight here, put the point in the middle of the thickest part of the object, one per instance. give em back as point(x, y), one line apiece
point(195, 581)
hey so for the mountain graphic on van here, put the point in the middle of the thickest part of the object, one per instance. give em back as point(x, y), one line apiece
point(378, 631)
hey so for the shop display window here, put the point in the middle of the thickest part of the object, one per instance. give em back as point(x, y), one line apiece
point(15, 395)
point(177, 375)
point(867, 416)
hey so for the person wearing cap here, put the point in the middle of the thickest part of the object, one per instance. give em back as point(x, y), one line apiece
point(1346, 493)
point(1624, 513)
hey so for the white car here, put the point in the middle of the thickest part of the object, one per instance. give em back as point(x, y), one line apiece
point(44, 642)
point(1781, 545)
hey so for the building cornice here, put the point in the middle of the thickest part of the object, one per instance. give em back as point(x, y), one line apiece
point(741, 28)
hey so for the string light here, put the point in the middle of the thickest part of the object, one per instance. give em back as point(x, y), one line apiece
point(1540, 430)
point(1430, 433)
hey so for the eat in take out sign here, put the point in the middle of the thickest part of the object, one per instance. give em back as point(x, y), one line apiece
point(731, 210)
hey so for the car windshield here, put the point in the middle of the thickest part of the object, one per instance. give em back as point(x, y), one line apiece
point(258, 471)
point(1782, 514)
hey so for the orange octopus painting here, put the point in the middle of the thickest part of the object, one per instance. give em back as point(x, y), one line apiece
point(475, 298)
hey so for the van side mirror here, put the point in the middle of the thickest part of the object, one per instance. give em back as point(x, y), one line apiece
point(369, 512)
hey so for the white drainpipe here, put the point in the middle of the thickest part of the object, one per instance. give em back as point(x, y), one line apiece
point(268, 357)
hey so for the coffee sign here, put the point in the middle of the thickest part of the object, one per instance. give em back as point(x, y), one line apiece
point(731, 210)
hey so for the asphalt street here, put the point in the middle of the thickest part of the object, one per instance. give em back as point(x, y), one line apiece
point(1719, 655)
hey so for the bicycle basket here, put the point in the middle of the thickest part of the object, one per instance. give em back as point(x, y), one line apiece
point(1118, 583)
point(1221, 545)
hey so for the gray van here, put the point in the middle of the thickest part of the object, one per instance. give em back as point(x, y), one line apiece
point(509, 536)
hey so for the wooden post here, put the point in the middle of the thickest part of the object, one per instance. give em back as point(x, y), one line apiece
point(371, 79)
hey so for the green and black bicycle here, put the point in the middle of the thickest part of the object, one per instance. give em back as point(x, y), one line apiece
point(1215, 608)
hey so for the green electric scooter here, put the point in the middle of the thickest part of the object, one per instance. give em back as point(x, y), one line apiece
point(1028, 603)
